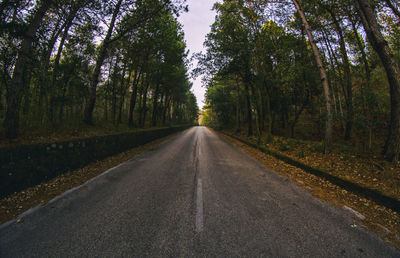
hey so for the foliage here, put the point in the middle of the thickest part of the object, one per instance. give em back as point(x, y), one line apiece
point(126, 57)
point(260, 71)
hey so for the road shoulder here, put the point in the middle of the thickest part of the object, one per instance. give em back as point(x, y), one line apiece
point(370, 215)
point(12, 206)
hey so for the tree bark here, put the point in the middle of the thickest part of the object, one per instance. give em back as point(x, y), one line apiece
point(346, 67)
point(68, 25)
point(132, 102)
point(155, 97)
point(43, 87)
point(249, 113)
point(114, 86)
point(391, 150)
point(324, 80)
point(361, 45)
point(237, 106)
point(14, 94)
point(143, 112)
point(91, 101)
point(122, 94)
point(166, 106)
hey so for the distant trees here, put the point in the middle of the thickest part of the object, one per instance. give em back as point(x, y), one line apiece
point(267, 60)
point(78, 60)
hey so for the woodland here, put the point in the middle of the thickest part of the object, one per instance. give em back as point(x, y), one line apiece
point(325, 70)
point(71, 63)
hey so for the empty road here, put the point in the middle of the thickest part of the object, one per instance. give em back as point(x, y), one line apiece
point(193, 195)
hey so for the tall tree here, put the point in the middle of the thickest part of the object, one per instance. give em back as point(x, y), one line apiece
point(324, 79)
point(347, 74)
point(392, 146)
point(88, 113)
point(14, 94)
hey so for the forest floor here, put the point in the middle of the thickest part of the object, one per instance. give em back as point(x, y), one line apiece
point(16, 203)
point(365, 169)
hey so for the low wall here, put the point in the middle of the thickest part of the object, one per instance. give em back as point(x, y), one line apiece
point(28, 165)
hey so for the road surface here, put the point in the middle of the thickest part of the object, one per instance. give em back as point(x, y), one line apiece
point(193, 195)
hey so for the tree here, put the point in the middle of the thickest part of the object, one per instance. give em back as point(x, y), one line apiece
point(14, 94)
point(391, 149)
point(140, 12)
point(324, 79)
point(229, 51)
point(99, 63)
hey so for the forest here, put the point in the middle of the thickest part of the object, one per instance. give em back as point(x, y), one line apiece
point(321, 70)
point(70, 63)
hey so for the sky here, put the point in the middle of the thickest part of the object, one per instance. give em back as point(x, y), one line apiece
point(196, 24)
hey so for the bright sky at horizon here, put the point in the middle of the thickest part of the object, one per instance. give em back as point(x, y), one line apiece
point(196, 24)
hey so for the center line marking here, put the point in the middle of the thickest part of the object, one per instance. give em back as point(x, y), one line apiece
point(199, 207)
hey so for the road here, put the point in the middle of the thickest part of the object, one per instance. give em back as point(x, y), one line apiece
point(193, 195)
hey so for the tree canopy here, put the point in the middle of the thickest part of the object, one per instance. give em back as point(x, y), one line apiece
point(325, 70)
point(121, 61)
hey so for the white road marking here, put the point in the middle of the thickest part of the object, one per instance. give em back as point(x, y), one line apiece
point(199, 207)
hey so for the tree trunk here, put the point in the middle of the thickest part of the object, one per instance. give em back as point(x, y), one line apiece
point(44, 80)
point(361, 46)
point(144, 104)
point(324, 80)
point(391, 149)
point(123, 93)
point(132, 102)
point(68, 25)
point(106, 105)
point(237, 106)
point(257, 112)
point(249, 111)
point(155, 97)
point(91, 101)
point(166, 106)
point(297, 114)
point(114, 86)
point(14, 94)
point(61, 111)
point(346, 67)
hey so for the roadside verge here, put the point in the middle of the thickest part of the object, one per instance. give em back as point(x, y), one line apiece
point(18, 202)
point(371, 194)
point(28, 165)
point(367, 213)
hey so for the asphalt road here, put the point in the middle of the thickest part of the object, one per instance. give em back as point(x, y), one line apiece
point(193, 195)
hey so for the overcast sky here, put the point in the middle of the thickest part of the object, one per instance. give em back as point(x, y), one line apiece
point(196, 24)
